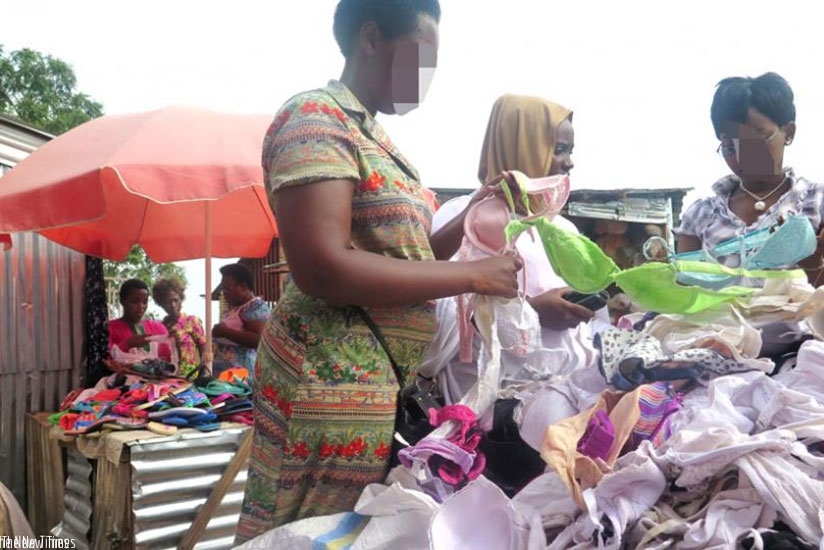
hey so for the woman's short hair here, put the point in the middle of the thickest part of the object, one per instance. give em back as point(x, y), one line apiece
point(769, 94)
point(239, 273)
point(163, 288)
point(130, 285)
point(393, 17)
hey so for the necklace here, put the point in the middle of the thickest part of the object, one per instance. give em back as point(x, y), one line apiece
point(760, 205)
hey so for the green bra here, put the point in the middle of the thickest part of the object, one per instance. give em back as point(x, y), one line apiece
point(654, 286)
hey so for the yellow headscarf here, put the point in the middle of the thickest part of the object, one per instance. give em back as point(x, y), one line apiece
point(521, 136)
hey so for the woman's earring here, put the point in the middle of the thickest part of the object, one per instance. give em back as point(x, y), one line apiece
point(789, 141)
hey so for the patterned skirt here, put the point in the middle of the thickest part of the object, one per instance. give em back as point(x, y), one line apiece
point(324, 414)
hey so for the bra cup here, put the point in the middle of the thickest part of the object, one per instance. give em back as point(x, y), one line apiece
point(547, 196)
point(793, 241)
point(576, 259)
point(485, 224)
point(654, 287)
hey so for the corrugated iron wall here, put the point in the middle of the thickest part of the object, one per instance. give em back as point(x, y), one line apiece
point(77, 500)
point(172, 477)
point(41, 338)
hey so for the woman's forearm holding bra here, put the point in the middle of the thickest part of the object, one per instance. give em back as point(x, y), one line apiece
point(315, 222)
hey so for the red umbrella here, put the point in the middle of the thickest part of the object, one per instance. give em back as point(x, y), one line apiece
point(181, 182)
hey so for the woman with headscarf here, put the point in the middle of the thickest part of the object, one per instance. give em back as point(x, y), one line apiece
point(533, 136)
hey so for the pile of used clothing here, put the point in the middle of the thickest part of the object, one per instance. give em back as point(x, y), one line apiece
point(682, 434)
point(143, 396)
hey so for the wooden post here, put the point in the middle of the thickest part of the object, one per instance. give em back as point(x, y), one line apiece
point(206, 511)
point(44, 462)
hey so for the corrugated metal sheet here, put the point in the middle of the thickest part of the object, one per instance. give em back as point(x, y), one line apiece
point(172, 477)
point(77, 500)
point(41, 337)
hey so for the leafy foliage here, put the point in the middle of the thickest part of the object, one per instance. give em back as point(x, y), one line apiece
point(138, 266)
point(40, 90)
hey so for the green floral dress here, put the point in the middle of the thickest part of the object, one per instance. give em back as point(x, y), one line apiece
point(324, 389)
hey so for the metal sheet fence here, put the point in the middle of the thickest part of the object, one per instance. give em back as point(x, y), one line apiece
point(41, 338)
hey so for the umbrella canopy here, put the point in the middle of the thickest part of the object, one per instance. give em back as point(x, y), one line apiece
point(181, 182)
point(142, 179)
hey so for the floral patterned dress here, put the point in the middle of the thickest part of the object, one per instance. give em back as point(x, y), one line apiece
point(190, 337)
point(324, 389)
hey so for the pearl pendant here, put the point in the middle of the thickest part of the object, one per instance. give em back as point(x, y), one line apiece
point(760, 206)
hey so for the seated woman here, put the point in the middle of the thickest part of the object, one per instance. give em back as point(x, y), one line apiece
point(754, 118)
point(131, 330)
point(238, 334)
point(536, 137)
point(187, 330)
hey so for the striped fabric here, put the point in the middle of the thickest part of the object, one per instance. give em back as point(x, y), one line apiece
point(657, 402)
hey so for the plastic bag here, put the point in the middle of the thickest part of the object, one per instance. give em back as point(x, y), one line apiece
point(157, 345)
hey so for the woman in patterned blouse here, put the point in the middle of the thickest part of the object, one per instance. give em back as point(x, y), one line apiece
point(354, 222)
point(187, 330)
point(754, 119)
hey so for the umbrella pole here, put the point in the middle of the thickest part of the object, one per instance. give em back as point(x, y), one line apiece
point(208, 359)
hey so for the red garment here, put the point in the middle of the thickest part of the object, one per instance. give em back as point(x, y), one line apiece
point(120, 332)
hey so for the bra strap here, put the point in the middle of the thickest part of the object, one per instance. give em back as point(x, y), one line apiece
point(692, 266)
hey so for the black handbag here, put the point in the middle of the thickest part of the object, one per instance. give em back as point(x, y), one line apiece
point(414, 400)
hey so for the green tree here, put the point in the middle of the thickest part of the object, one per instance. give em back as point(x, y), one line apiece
point(138, 266)
point(41, 90)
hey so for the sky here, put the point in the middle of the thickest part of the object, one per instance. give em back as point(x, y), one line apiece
point(639, 74)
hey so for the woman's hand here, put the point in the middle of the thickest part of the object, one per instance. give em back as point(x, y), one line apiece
point(447, 240)
point(137, 341)
point(219, 331)
point(497, 276)
point(557, 313)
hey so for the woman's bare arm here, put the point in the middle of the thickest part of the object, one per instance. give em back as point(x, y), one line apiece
point(314, 222)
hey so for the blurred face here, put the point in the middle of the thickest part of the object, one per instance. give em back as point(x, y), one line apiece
point(135, 304)
point(755, 150)
point(564, 144)
point(173, 304)
point(233, 291)
point(407, 65)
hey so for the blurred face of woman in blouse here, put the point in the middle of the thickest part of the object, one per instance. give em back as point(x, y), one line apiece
point(172, 304)
point(405, 66)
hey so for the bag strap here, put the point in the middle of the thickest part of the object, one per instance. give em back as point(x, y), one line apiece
point(382, 341)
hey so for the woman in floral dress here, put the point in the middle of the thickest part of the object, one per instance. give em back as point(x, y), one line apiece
point(354, 222)
point(187, 330)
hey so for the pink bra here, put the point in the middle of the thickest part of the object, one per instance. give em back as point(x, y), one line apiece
point(485, 224)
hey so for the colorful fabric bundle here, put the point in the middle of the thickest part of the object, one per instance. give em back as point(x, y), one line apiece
point(657, 402)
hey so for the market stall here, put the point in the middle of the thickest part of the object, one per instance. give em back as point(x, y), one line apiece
point(175, 181)
point(137, 489)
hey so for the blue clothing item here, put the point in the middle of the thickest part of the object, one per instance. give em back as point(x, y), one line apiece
point(712, 222)
point(764, 248)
